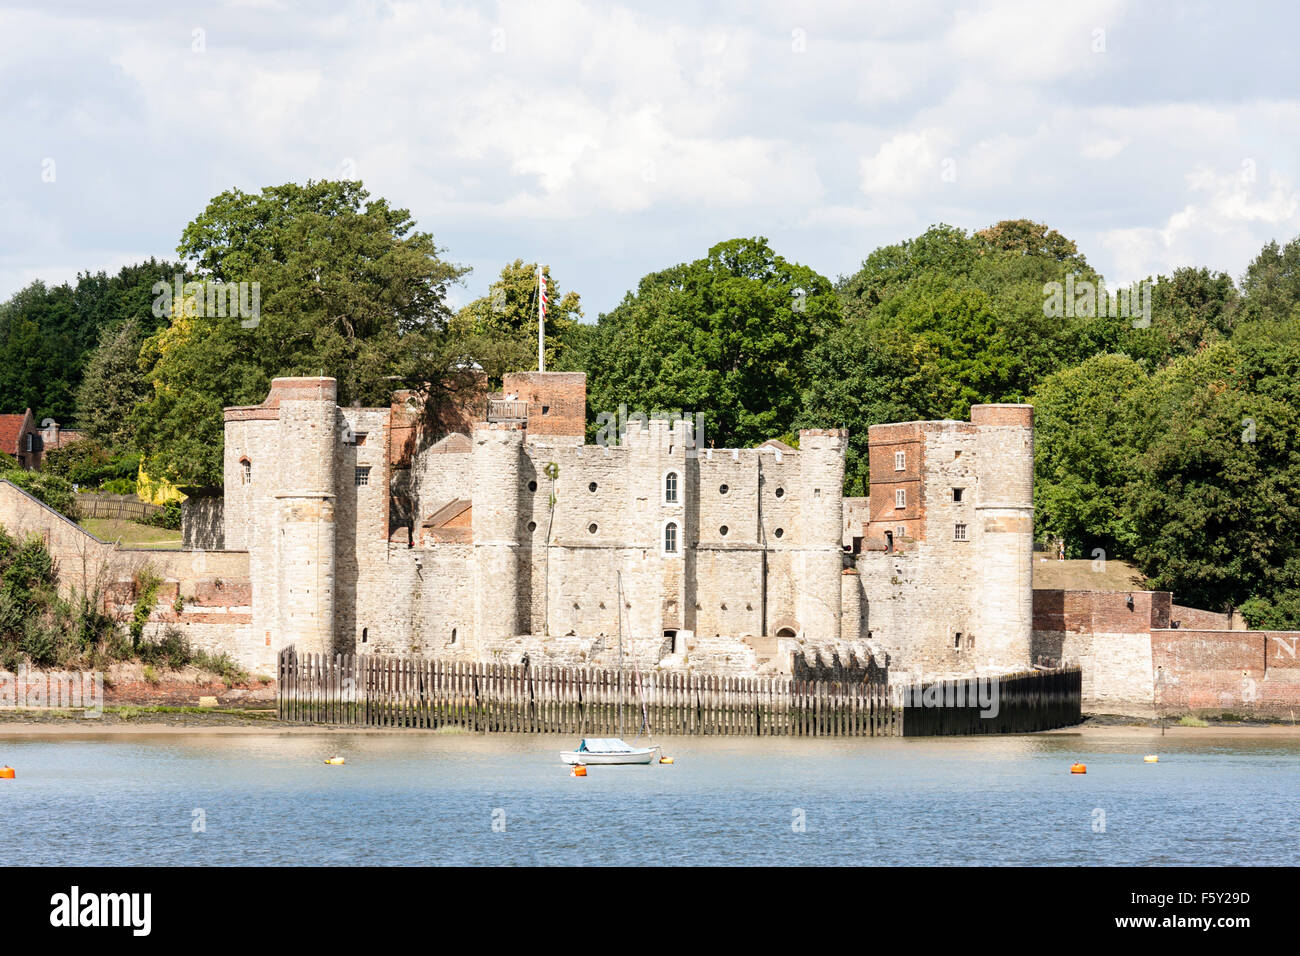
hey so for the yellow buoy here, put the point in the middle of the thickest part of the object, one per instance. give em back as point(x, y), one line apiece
point(665, 759)
point(1078, 768)
point(335, 761)
point(1150, 758)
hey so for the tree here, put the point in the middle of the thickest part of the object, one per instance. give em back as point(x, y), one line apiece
point(348, 287)
point(1026, 238)
point(500, 328)
point(853, 376)
point(48, 333)
point(113, 384)
point(1271, 284)
point(1217, 494)
point(726, 336)
point(1084, 456)
point(1190, 309)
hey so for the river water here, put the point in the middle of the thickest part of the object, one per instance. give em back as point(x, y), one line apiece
point(268, 799)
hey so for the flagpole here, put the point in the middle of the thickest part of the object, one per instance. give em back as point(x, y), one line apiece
point(541, 320)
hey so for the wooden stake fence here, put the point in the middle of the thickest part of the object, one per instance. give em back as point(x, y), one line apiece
point(379, 691)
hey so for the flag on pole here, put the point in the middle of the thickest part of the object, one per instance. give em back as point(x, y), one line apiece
point(541, 319)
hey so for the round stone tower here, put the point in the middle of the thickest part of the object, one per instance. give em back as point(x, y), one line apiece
point(1004, 535)
point(498, 460)
point(308, 441)
point(821, 531)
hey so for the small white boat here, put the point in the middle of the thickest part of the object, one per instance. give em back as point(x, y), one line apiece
point(607, 750)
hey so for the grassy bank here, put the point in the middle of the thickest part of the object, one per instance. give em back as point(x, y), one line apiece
point(132, 534)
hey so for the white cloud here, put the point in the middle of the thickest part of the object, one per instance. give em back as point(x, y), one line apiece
point(625, 138)
point(1217, 228)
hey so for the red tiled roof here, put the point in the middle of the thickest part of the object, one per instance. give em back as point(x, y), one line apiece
point(11, 426)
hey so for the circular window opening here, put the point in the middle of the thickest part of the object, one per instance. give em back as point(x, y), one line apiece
point(592, 527)
point(780, 532)
point(723, 530)
point(723, 489)
point(592, 486)
point(532, 526)
point(532, 486)
point(780, 492)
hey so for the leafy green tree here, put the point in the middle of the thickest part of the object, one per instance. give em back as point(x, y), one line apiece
point(852, 381)
point(48, 333)
point(1190, 309)
point(1024, 237)
point(1271, 285)
point(500, 328)
point(726, 336)
point(348, 287)
point(1215, 497)
point(1084, 456)
point(112, 385)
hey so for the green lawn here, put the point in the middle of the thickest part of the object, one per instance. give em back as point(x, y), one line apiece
point(131, 533)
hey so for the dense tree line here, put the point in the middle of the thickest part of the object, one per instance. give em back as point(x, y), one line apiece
point(1166, 435)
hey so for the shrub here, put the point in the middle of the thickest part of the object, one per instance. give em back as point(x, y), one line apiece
point(221, 664)
point(169, 517)
point(48, 488)
point(88, 464)
point(147, 584)
point(118, 486)
point(40, 643)
point(171, 650)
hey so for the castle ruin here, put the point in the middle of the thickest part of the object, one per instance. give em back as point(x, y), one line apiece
point(510, 539)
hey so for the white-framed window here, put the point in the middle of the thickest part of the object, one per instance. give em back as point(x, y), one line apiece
point(900, 532)
point(900, 498)
point(246, 472)
point(959, 532)
point(670, 488)
point(363, 475)
point(670, 537)
point(900, 460)
point(31, 442)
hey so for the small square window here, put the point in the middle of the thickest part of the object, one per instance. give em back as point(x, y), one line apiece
point(900, 460)
point(900, 498)
point(956, 494)
point(363, 475)
point(957, 641)
point(959, 532)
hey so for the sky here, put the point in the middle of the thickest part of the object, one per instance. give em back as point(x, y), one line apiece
point(610, 140)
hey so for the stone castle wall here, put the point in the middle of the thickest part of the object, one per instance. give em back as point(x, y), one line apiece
point(945, 560)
